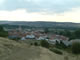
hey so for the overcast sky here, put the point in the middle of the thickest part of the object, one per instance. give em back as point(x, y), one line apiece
point(40, 10)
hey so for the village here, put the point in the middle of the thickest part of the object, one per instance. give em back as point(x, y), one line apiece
point(37, 35)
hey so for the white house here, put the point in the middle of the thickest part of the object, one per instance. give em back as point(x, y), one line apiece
point(31, 36)
point(53, 41)
point(42, 37)
point(67, 43)
point(23, 38)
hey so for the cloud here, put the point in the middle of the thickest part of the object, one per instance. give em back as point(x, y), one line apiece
point(40, 10)
point(24, 15)
point(51, 6)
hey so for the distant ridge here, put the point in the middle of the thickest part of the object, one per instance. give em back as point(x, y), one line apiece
point(43, 24)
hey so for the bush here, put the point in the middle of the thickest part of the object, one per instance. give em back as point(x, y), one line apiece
point(3, 33)
point(76, 48)
point(63, 45)
point(56, 51)
point(44, 43)
point(31, 43)
point(36, 44)
point(16, 39)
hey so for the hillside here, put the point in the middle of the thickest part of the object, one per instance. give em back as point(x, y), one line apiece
point(12, 50)
point(59, 25)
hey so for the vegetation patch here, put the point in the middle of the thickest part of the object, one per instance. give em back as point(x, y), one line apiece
point(36, 44)
point(45, 44)
point(2, 32)
point(56, 51)
point(76, 48)
point(61, 45)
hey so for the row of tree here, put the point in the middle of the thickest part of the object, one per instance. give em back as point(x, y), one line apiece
point(71, 34)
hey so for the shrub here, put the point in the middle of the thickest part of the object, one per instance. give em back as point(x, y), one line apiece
point(56, 51)
point(76, 48)
point(44, 43)
point(63, 45)
point(31, 43)
point(16, 39)
point(36, 44)
point(2, 32)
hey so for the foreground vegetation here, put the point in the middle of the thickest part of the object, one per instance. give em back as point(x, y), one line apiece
point(13, 50)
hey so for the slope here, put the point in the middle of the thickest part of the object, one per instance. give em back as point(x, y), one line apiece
point(12, 50)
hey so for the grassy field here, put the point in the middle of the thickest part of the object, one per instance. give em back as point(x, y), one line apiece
point(12, 50)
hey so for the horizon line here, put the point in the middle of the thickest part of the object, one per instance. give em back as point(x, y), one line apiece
point(40, 21)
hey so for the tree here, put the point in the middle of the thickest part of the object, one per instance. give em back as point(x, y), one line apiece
point(1, 28)
point(60, 45)
point(2, 32)
point(76, 48)
point(36, 44)
point(63, 45)
point(57, 43)
point(45, 44)
point(77, 33)
point(46, 30)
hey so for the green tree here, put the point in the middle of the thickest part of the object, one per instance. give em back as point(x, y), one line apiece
point(1, 28)
point(36, 44)
point(76, 48)
point(46, 30)
point(45, 44)
point(2, 32)
point(77, 33)
point(63, 45)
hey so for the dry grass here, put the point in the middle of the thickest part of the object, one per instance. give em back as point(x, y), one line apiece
point(12, 50)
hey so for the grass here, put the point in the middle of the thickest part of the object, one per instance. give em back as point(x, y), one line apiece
point(12, 50)
point(30, 41)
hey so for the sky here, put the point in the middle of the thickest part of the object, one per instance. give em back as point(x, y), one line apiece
point(40, 10)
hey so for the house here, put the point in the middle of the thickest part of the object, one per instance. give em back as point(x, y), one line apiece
point(12, 34)
point(58, 38)
point(23, 38)
point(30, 36)
point(42, 37)
point(53, 39)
